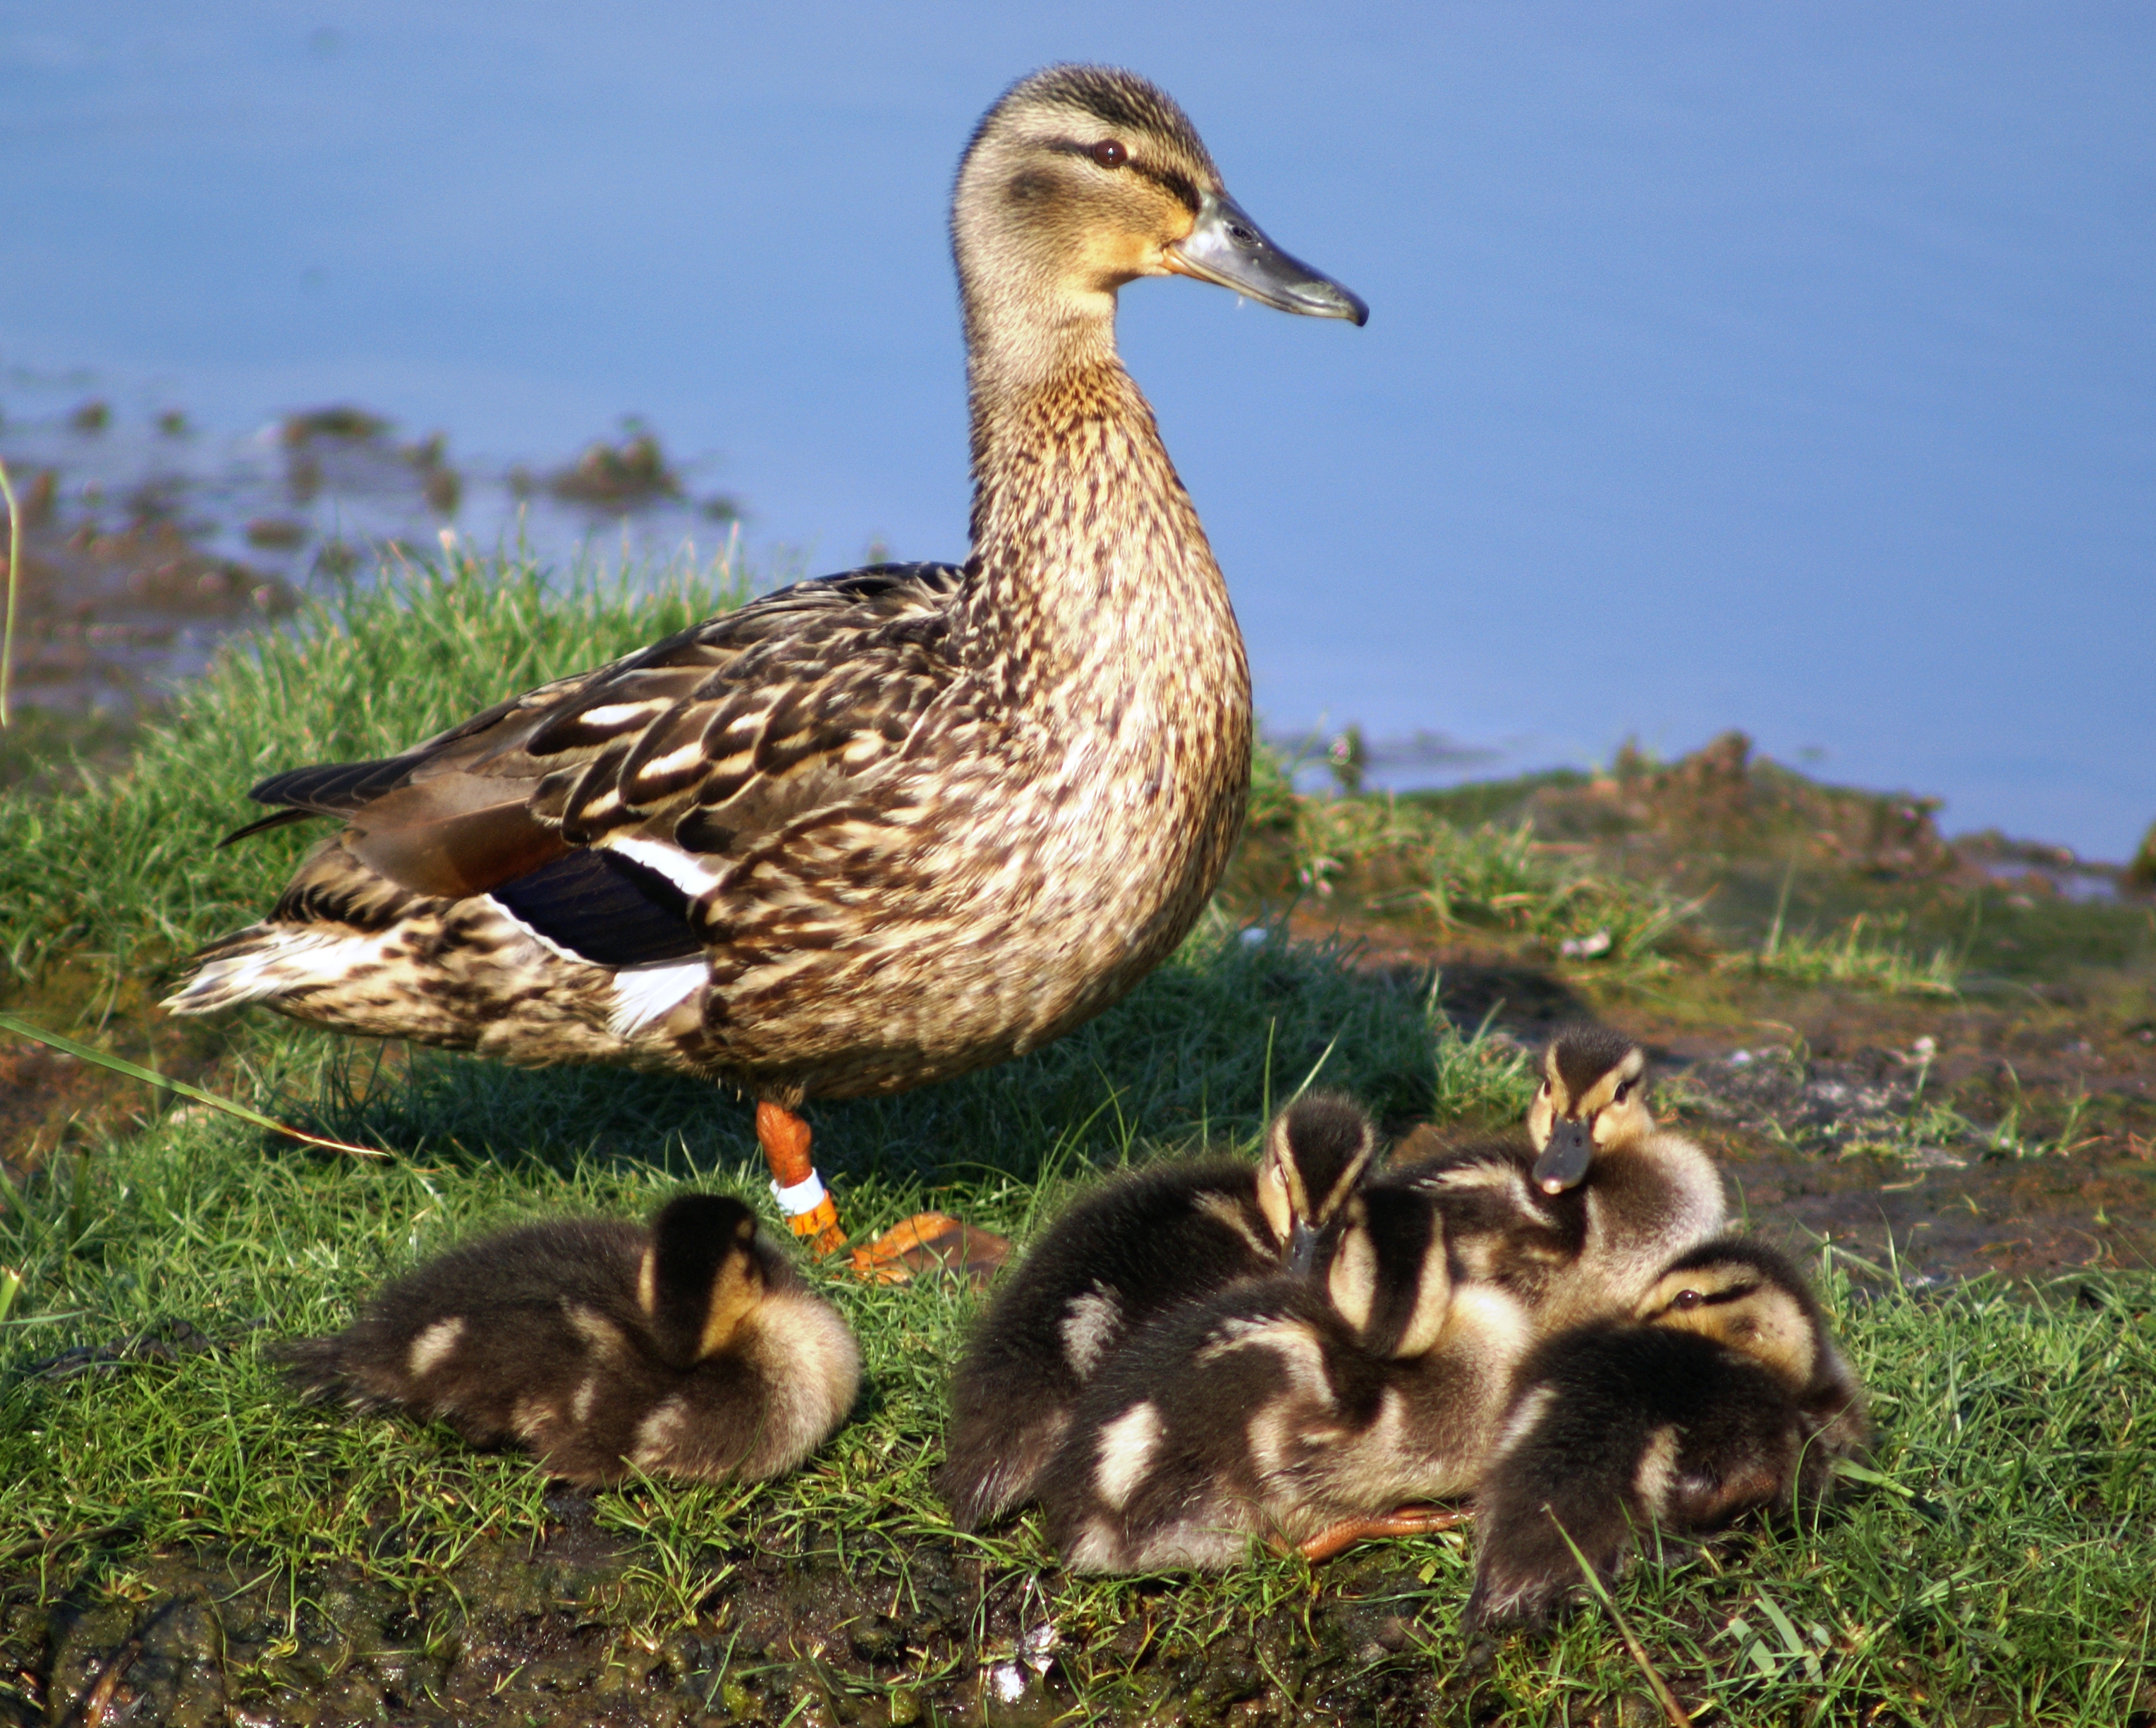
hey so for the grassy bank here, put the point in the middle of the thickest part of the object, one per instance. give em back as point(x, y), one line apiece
point(1998, 1569)
point(164, 1497)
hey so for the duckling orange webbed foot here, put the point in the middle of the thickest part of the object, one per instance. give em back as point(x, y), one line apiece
point(1406, 1521)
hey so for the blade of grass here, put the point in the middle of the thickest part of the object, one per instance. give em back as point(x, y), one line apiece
point(1667, 1699)
point(15, 582)
point(1773, 942)
point(1316, 1069)
point(1872, 1478)
point(151, 1077)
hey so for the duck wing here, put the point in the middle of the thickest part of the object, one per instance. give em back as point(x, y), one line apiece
point(599, 808)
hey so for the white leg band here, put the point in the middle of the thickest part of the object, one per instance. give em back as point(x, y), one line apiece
point(801, 1197)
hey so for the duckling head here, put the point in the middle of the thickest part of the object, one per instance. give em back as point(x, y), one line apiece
point(1593, 1097)
point(1078, 180)
point(1745, 1297)
point(1317, 1152)
point(701, 1276)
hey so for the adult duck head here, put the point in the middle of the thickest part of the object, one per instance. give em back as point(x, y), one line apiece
point(1079, 179)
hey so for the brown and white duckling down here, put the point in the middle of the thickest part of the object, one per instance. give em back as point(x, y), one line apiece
point(690, 1349)
point(1287, 1408)
point(1725, 1392)
point(1138, 1247)
point(1577, 1216)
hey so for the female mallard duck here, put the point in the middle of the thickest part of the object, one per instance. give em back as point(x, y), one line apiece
point(1297, 1411)
point(1725, 1392)
point(690, 1349)
point(1132, 1249)
point(873, 830)
point(1578, 1215)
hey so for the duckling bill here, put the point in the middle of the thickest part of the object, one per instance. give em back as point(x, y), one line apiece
point(1575, 1214)
point(1585, 1072)
point(690, 1349)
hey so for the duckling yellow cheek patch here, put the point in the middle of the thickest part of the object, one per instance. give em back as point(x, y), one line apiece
point(732, 1296)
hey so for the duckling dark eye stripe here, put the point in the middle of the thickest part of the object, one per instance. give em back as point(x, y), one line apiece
point(1732, 1293)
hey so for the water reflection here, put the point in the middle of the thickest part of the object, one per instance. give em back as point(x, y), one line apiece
point(147, 541)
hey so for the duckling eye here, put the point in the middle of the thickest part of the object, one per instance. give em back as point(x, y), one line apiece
point(1624, 1092)
point(1110, 153)
point(1687, 1299)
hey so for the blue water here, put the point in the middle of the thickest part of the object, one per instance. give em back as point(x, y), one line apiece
point(1788, 367)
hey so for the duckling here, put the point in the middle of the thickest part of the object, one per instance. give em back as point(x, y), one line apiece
point(1137, 1247)
point(1297, 1411)
point(1576, 1216)
point(870, 831)
point(691, 1349)
point(1724, 1392)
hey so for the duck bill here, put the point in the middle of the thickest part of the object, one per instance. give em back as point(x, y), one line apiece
point(1226, 247)
point(1564, 1160)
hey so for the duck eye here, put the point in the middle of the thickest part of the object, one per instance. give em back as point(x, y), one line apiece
point(1624, 1092)
point(1110, 153)
point(1688, 1299)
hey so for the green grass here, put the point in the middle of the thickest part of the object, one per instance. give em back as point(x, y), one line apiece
point(1999, 1564)
point(1998, 1568)
point(1494, 878)
point(1409, 859)
point(1868, 953)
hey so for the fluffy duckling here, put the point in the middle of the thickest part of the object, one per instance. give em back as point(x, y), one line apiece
point(1577, 1216)
point(1301, 1411)
point(1133, 1248)
point(691, 1349)
point(1724, 1393)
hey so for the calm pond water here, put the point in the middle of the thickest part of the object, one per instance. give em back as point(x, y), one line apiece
point(1783, 367)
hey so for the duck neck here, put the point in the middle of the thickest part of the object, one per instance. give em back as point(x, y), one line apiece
point(1085, 542)
point(1024, 334)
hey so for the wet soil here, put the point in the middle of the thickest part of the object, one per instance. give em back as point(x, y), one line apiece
point(530, 1630)
point(2009, 1127)
point(1932, 1139)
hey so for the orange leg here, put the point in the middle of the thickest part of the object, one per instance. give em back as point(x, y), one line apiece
point(927, 1241)
point(784, 1137)
point(1407, 1522)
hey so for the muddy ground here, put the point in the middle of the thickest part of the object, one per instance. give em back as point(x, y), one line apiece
point(145, 542)
point(2019, 1141)
point(929, 1634)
